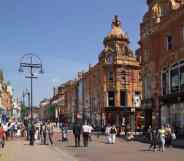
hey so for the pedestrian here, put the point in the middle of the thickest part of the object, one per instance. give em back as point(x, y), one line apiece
point(149, 133)
point(65, 132)
point(50, 132)
point(85, 129)
point(2, 136)
point(77, 133)
point(168, 136)
point(44, 133)
point(90, 132)
point(32, 133)
point(5, 127)
point(107, 134)
point(153, 139)
point(37, 134)
point(11, 130)
point(113, 134)
point(162, 138)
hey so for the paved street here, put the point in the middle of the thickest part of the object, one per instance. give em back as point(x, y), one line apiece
point(122, 150)
point(97, 151)
point(20, 151)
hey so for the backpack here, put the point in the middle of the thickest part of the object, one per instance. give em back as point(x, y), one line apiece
point(113, 131)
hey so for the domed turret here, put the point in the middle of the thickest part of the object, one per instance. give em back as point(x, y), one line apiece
point(116, 33)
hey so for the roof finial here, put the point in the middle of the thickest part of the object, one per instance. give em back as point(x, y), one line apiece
point(116, 22)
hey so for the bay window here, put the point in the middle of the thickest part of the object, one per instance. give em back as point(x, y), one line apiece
point(174, 80)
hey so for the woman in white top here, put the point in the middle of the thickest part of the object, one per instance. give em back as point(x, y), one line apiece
point(162, 138)
point(107, 133)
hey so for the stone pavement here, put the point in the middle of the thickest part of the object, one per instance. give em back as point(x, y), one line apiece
point(122, 150)
point(19, 150)
point(178, 143)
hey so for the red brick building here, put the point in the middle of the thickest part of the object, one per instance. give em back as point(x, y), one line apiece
point(162, 44)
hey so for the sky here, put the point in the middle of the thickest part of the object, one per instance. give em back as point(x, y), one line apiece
point(66, 35)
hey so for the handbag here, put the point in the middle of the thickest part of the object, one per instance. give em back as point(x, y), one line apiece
point(173, 135)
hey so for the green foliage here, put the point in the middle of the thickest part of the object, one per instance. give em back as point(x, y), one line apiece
point(24, 111)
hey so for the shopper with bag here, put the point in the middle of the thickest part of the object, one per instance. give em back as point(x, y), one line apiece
point(2, 136)
point(107, 133)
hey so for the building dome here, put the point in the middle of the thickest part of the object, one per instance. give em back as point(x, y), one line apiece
point(117, 33)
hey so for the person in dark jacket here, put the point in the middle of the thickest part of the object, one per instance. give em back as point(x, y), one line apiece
point(153, 139)
point(77, 133)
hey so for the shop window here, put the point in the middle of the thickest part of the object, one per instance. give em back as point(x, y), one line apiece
point(174, 80)
point(110, 76)
point(164, 84)
point(123, 98)
point(182, 78)
point(111, 98)
point(169, 42)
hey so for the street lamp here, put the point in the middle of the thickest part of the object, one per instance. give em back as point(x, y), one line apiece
point(31, 64)
point(24, 94)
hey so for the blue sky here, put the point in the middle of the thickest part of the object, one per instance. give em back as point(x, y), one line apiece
point(67, 36)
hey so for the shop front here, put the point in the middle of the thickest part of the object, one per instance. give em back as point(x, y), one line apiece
point(172, 112)
point(129, 118)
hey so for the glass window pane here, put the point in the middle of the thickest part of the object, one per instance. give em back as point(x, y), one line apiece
point(174, 80)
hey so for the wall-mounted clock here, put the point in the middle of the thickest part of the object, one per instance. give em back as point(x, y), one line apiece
point(109, 59)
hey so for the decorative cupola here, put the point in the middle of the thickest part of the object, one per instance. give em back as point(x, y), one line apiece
point(116, 34)
point(115, 43)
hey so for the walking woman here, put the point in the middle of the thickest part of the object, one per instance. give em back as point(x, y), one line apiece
point(107, 133)
point(113, 134)
point(162, 138)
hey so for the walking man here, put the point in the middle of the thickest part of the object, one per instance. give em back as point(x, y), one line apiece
point(77, 133)
point(153, 139)
point(50, 132)
point(32, 133)
point(85, 129)
point(44, 133)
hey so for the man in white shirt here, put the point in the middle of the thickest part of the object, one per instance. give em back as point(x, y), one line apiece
point(86, 130)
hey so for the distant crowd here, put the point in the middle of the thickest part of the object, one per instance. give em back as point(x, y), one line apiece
point(43, 133)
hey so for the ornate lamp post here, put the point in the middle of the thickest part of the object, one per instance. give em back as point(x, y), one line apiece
point(31, 65)
point(24, 94)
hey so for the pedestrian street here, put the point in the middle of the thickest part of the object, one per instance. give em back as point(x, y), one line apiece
point(98, 150)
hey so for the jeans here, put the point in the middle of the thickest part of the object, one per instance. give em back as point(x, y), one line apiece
point(162, 142)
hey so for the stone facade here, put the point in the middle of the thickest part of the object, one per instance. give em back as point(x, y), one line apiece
point(110, 91)
point(162, 44)
point(121, 78)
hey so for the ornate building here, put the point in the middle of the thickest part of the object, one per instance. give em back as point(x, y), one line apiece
point(162, 44)
point(121, 84)
point(110, 91)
